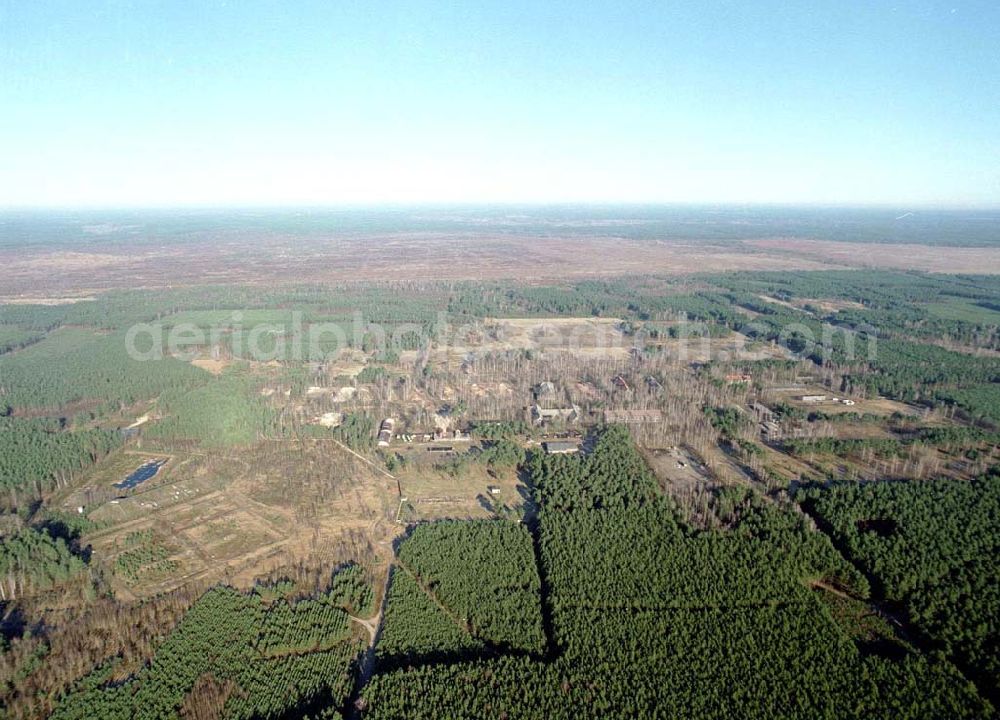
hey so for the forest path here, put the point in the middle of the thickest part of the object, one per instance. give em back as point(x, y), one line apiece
point(369, 624)
point(363, 459)
point(366, 666)
point(831, 589)
point(434, 599)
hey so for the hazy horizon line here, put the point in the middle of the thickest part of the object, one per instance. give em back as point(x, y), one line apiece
point(539, 204)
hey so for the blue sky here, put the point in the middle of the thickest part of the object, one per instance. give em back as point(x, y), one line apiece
point(243, 103)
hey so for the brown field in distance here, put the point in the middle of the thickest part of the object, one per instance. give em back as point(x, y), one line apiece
point(41, 272)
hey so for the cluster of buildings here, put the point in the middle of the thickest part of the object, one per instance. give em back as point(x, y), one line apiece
point(541, 415)
point(386, 434)
point(767, 421)
point(814, 399)
point(437, 436)
point(546, 409)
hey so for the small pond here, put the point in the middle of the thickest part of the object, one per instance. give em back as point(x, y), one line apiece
point(141, 474)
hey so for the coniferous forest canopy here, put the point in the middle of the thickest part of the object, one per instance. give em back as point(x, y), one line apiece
point(747, 494)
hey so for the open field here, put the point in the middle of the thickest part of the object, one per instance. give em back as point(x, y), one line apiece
point(234, 516)
point(898, 256)
point(57, 275)
point(401, 257)
point(581, 336)
point(733, 346)
point(964, 311)
point(680, 471)
point(433, 494)
point(592, 338)
point(876, 406)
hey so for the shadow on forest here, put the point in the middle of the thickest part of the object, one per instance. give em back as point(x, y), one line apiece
point(886, 648)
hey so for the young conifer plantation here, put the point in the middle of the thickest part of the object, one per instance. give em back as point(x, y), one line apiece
point(649, 617)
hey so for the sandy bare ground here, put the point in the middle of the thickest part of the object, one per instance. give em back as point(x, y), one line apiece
point(398, 257)
point(584, 337)
point(216, 367)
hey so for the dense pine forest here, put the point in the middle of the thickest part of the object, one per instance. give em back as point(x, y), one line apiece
point(932, 549)
point(650, 618)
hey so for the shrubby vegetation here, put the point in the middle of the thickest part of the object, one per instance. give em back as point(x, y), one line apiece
point(357, 432)
point(142, 556)
point(641, 559)
point(727, 420)
point(777, 662)
point(306, 626)
point(613, 476)
point(501, 430)
point(501, 453)
point(226, 411)
point(32, 560)
point(351, 590)
point(258, 661)
point(64, 524)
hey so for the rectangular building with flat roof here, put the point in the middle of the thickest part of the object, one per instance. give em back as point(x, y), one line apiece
point(561, 447)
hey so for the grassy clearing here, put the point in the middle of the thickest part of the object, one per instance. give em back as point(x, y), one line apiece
point(963, 311)
point(224, 412)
